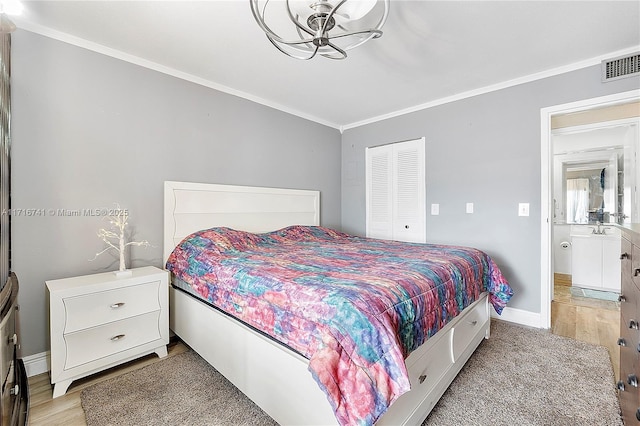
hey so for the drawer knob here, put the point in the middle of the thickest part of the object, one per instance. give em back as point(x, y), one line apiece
point(636, 272)
point(622, 298)
point(474, 322)
point(633, 324)
point(638, 347)
point(422, 378)
point(632, 379)
point(117, 305)
point(118, 337)
point(624, 256)
point(14, 390)
point(622, 342)
point(638, 414)
point(13, 339)
point(620, 385)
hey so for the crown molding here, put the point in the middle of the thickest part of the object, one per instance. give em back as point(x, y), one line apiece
point(83, 43)
point(495, 87)
point(136, 60)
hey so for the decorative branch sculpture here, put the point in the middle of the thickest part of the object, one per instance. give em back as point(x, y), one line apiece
point(117, 235)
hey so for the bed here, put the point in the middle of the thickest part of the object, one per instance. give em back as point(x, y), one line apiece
point(318, 370)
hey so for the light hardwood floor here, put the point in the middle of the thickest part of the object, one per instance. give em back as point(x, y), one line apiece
point(583, 319)
point(589, 320)
point(66, 410)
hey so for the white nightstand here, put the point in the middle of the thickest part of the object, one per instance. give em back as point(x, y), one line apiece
point(99, 321)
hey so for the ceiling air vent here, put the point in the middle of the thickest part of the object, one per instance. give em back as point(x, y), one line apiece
point(621, 67)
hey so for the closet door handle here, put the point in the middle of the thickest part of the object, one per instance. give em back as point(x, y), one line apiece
point(118, 337)
point(117, 305)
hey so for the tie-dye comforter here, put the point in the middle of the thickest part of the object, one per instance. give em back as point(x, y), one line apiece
point(355, 307)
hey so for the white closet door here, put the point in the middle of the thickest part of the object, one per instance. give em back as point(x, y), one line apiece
point(379, 192)
point(395, 191)
point(409, 192)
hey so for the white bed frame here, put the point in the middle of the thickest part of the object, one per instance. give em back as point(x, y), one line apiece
point(274, 377)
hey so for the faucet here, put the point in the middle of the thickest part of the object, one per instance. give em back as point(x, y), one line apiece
point(599, 230)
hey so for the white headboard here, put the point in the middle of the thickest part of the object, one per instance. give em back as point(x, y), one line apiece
point(190, 207)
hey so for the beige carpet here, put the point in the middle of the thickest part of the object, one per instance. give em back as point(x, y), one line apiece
point(520, 377)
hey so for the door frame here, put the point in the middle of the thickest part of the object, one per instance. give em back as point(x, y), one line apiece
point(546, 177)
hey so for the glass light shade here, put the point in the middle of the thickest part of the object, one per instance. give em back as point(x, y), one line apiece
point(355, 9)
point(348, 10)
point(11, 7)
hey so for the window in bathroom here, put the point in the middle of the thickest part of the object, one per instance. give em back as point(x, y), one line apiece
point(578, 200)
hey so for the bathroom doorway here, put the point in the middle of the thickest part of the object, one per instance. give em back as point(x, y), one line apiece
point(582, 163)
point(594, 189)
point(575, 113)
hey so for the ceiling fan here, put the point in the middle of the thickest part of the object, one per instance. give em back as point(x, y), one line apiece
point(320, 27)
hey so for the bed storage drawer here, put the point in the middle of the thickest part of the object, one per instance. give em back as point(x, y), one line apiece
point(471, 327)
point(425, 372)
point(432, 366)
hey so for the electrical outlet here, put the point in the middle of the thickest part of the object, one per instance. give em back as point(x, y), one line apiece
point(523, 209)
point(435, 209)
point(469, 207)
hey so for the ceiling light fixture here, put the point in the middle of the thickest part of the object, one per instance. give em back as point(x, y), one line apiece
point(9, 7)
point(303, 29)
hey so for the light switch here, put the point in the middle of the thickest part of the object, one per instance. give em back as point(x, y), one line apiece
point(435, 209)
point(469, 207)
point(523, 209)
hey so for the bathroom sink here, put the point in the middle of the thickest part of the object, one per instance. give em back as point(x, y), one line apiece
point(608, 230)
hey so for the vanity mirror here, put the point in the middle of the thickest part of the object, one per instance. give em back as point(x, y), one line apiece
point(591, 189)
point(595, 175)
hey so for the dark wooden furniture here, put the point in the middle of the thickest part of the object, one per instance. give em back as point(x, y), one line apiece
point(629, 341)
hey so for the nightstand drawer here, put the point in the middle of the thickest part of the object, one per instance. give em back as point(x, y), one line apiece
point(90, 310)
point(99, 342)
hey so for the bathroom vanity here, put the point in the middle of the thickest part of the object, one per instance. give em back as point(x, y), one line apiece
point(595, 257)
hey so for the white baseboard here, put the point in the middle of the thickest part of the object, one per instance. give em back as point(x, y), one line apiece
point(36, 364)
point(518, 316)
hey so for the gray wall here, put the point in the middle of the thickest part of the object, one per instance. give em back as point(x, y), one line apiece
point(485, 150)
point(89, 130)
